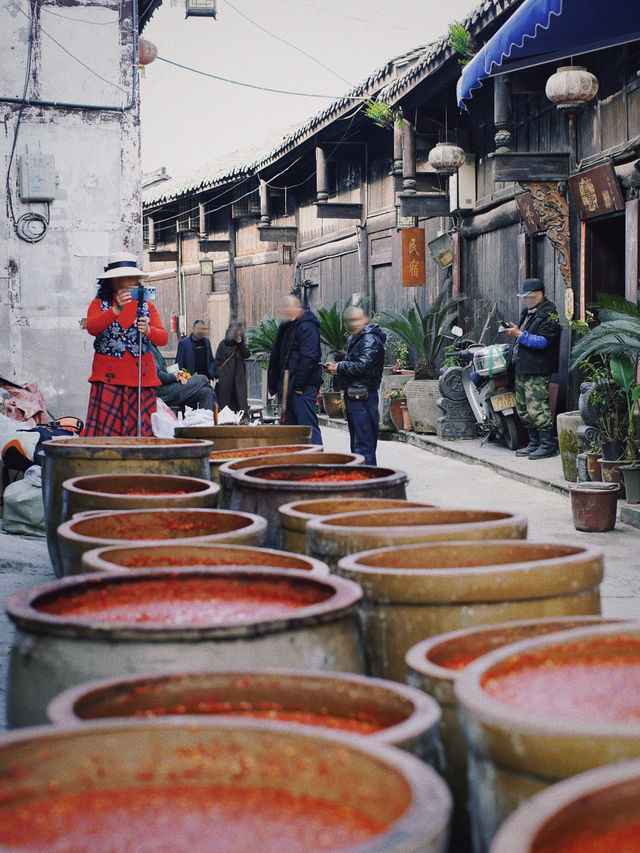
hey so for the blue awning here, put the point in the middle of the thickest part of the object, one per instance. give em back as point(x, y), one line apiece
point(541, 31)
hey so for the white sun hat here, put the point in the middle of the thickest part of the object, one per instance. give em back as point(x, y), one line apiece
point(123, 264)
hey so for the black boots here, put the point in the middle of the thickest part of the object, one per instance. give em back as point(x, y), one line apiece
point(534, 443)
point(547, 445)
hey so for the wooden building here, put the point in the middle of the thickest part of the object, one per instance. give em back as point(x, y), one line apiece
point(543, 191)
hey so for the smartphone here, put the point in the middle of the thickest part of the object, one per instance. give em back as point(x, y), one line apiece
point(503, 325)
point(149, 293)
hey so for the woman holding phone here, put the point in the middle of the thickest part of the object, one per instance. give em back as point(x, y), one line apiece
point(118, 324)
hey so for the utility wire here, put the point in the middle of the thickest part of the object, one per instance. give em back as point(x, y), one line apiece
point(288, 43)
point(83, 20)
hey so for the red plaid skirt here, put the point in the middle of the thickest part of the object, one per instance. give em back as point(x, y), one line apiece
point(113, 410)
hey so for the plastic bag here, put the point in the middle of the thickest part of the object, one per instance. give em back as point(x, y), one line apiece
point(163, 420)
point(197, 417)
point(23, 511)
point(227, 416)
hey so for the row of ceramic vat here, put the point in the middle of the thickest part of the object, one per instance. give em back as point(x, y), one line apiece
point(392, 585)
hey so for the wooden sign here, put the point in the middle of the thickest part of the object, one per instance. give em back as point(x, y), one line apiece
point(532, 221)
point(414, 268)
point(596, 192)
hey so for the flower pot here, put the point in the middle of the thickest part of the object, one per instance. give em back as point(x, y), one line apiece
point(594, 506)
point(593, 467)
point(632, 484)
point(395, 410)
point(569, 443)
point(332, 402)
point(407, 426)
point(422, 403)
point(611, 450)
point(388, 383)
point(612, 473)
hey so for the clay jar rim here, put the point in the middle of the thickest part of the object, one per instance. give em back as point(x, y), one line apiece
point(423, 717)
point(278, 449)
point(491, 714)
point(292, 509)
point(310, 458)
point(256, 524)
point(442, 678)
point(200, 488)
point(425, 819)
point(112, 447)
point(249, 477)
point(519, 581)
point(22, 610)
point(96, 559)
point(555, 804)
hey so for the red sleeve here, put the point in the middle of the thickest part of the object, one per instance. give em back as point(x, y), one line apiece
point(158, 335)
point(97, 319)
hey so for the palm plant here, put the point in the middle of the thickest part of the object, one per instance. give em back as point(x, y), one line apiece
point(260, 338)
point(424, 331)
point(333, 330)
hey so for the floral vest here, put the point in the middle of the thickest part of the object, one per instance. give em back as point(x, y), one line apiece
point(115, 340)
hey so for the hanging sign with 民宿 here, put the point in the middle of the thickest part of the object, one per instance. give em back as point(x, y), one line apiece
point(414, 270)
point(596, 192)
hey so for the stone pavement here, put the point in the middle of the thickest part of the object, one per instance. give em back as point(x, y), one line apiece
point(468, 476)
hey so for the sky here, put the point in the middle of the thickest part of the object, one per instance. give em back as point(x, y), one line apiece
point(189, 120)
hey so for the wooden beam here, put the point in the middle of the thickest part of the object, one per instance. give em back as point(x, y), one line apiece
point(163, 256)
point(213, 245)
point(525, 166)
point(338, 210)
point(277, 234)
point(424, 204)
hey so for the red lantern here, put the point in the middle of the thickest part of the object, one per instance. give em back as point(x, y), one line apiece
point(147, 51)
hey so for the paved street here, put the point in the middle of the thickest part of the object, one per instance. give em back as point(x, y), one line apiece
point(434, 478)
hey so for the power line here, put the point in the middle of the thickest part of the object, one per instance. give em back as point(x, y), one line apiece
point(288, 43)
point(83, 20)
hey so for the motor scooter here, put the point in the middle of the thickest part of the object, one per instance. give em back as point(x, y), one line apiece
point(490, 390)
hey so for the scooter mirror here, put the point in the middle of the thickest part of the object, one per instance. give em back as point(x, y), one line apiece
point(456, 331)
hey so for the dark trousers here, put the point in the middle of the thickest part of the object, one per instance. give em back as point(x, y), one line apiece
point(301, 410)
point(197, 391)
point(363, 420)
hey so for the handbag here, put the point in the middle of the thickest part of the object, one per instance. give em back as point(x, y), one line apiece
point(357, 392)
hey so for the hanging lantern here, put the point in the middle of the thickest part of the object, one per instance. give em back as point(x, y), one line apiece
point(446, 157)
point(206, 266)
point(147, 52)
point(571, 87)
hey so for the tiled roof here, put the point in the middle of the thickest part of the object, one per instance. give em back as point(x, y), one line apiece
point(146, 8)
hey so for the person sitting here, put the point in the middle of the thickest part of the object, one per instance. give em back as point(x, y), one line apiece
point(179, 390)
point(194, 352)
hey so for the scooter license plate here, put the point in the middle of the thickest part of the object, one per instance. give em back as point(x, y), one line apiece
point(503, 401)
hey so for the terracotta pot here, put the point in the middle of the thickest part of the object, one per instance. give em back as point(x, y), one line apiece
point(253, 493)
point(135, 491)
point(632, 484)
point(302, 772)
point(333, 405)
point(589, 807)
point(395, 412)
point(140, 527)
point(417, 591)
point(434, 665)
point(165, 555)
point(562, 729)
point(612, 473)
point(382, 711)
point(294, 516)
point(349, 533)
point(422, 403)
point(263, 435)
point(593, 467)
point(594, 506)
point(58, 645)
point(318, 458)
point(65, 458)
point(221, 457)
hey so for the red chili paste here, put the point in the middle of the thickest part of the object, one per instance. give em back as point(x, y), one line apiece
point(319, 476)
point(156, 525)
point(136, 490)
point(239, 453)
point(623, 839)
point(186, 601)
point(145, 561)
point(184, 819)
point(605, 689)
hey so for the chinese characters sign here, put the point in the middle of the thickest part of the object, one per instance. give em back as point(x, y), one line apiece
point(596, 192)
point(414, 272)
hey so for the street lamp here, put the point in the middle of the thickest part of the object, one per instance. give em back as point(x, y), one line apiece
point(206, 266)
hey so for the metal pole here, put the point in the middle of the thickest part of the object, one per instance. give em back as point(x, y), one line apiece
point(138, 315)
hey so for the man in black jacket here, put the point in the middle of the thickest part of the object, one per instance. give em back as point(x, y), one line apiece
point(297, 349)
point(535, 355)
point(360, 374)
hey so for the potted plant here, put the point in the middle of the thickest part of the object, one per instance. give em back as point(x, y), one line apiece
point(424, 334)
point(398, 409)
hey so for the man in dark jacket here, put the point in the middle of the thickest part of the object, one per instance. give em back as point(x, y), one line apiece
point(360, 374)
point(178, 390)
point(535, 355)
point(194, 353)
point(297, 349)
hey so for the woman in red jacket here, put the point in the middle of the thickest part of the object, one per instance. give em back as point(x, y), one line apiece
point(112, 319)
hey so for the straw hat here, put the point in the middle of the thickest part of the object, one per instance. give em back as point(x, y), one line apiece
point(123, 264)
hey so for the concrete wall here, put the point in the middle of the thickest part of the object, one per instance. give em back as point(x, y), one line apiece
point(45, 287)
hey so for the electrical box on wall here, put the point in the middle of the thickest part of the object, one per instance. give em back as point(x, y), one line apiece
point(37, 177)
point(462, 185)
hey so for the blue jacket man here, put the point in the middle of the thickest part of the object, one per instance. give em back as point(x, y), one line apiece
point(297, 349)
point(194, 353)
point(360, 374)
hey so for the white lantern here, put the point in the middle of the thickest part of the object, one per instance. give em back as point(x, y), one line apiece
point(571, 87)
point(446, 157)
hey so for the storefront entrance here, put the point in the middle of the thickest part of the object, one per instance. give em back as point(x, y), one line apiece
point(605, 257)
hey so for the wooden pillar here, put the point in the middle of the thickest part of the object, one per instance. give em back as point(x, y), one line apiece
point(202, 221)
point(397, 149)
point(265, 218)
point(363, 255)
point(408, 158)
point(322, 182)
point(632, 251)
point(502, 112)
point(456, 264)
point(524, 261)
point(151, 233)
point(233, 281)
